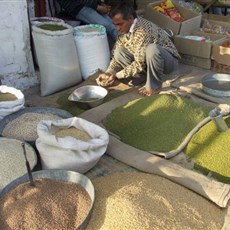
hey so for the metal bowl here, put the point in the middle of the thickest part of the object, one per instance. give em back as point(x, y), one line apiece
point(41, 110)
point(88, 96)
point(63, 175)
point(217, 85)
point(13, 163)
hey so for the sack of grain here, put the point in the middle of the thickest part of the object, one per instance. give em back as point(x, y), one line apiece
point(57, 56)
point(37, 21)
point(92, 48)
point(73, 144)
point(11, 100)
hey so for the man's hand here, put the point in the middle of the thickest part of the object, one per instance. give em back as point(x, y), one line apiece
point(103, 9)
point(105, 79)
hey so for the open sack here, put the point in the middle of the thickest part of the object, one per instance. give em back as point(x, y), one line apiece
point(9, 107)
point(69, 152)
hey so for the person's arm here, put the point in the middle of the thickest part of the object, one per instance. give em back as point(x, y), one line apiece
point(103, 8)
point(115, 67)
point(140, 41)
point(71, 5)
point(95, 4)
point(89, 3)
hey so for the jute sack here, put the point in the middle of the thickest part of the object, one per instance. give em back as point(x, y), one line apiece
point(9, 107)
point(68, 152)
point(57, 57)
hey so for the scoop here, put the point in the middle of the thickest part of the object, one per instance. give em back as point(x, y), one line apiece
point(28, 166)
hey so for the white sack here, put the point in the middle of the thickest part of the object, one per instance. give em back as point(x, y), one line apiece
point(70, 153)
point(9, 107)
point(92, 48)
point(57, 58)
point(41, 20)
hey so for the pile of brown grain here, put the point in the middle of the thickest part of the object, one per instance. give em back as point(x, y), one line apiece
point(49, 205)
point(24, 127)
point(73, 132)
point(139, 201)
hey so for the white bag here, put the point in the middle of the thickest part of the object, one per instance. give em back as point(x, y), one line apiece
point(9, 107)
point(92, 48)
point(68, 152)
point(57, 58)
point(37, 21)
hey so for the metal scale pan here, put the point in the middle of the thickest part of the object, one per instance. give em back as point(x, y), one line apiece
point(217, 84)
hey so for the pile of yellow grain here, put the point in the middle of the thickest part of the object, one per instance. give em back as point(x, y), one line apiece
point(73, 132)
point(139, 201)
point(7, 97)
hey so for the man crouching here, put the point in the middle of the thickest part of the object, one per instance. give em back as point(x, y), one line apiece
point(143, 52)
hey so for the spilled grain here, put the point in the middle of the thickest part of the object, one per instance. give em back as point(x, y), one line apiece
point(145, 201)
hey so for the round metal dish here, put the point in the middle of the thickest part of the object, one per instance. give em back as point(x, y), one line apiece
point(88, 96)
point(41, 110)
point(217, 85)
point(13, 161)
point(57, 174)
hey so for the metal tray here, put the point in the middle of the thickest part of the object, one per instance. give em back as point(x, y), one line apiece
point(57, 174)
point(41, 110)
point(217, 84)
point(13, 165)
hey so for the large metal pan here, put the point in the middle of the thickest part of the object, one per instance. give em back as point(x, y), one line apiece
point(217, 84)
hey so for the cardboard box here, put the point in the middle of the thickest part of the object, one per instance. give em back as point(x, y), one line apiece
point(220, 68)
point(223, 22)
point(192, 20)
point(202, 49)
point(221, 54)
point(197, 53)
point(205, 63)
point(215, 17)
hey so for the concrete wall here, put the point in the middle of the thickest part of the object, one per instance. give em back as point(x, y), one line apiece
point(16, 63)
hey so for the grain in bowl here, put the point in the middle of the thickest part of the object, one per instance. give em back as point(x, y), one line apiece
point(50, 204)
point(24, 127)
point(12, 161)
